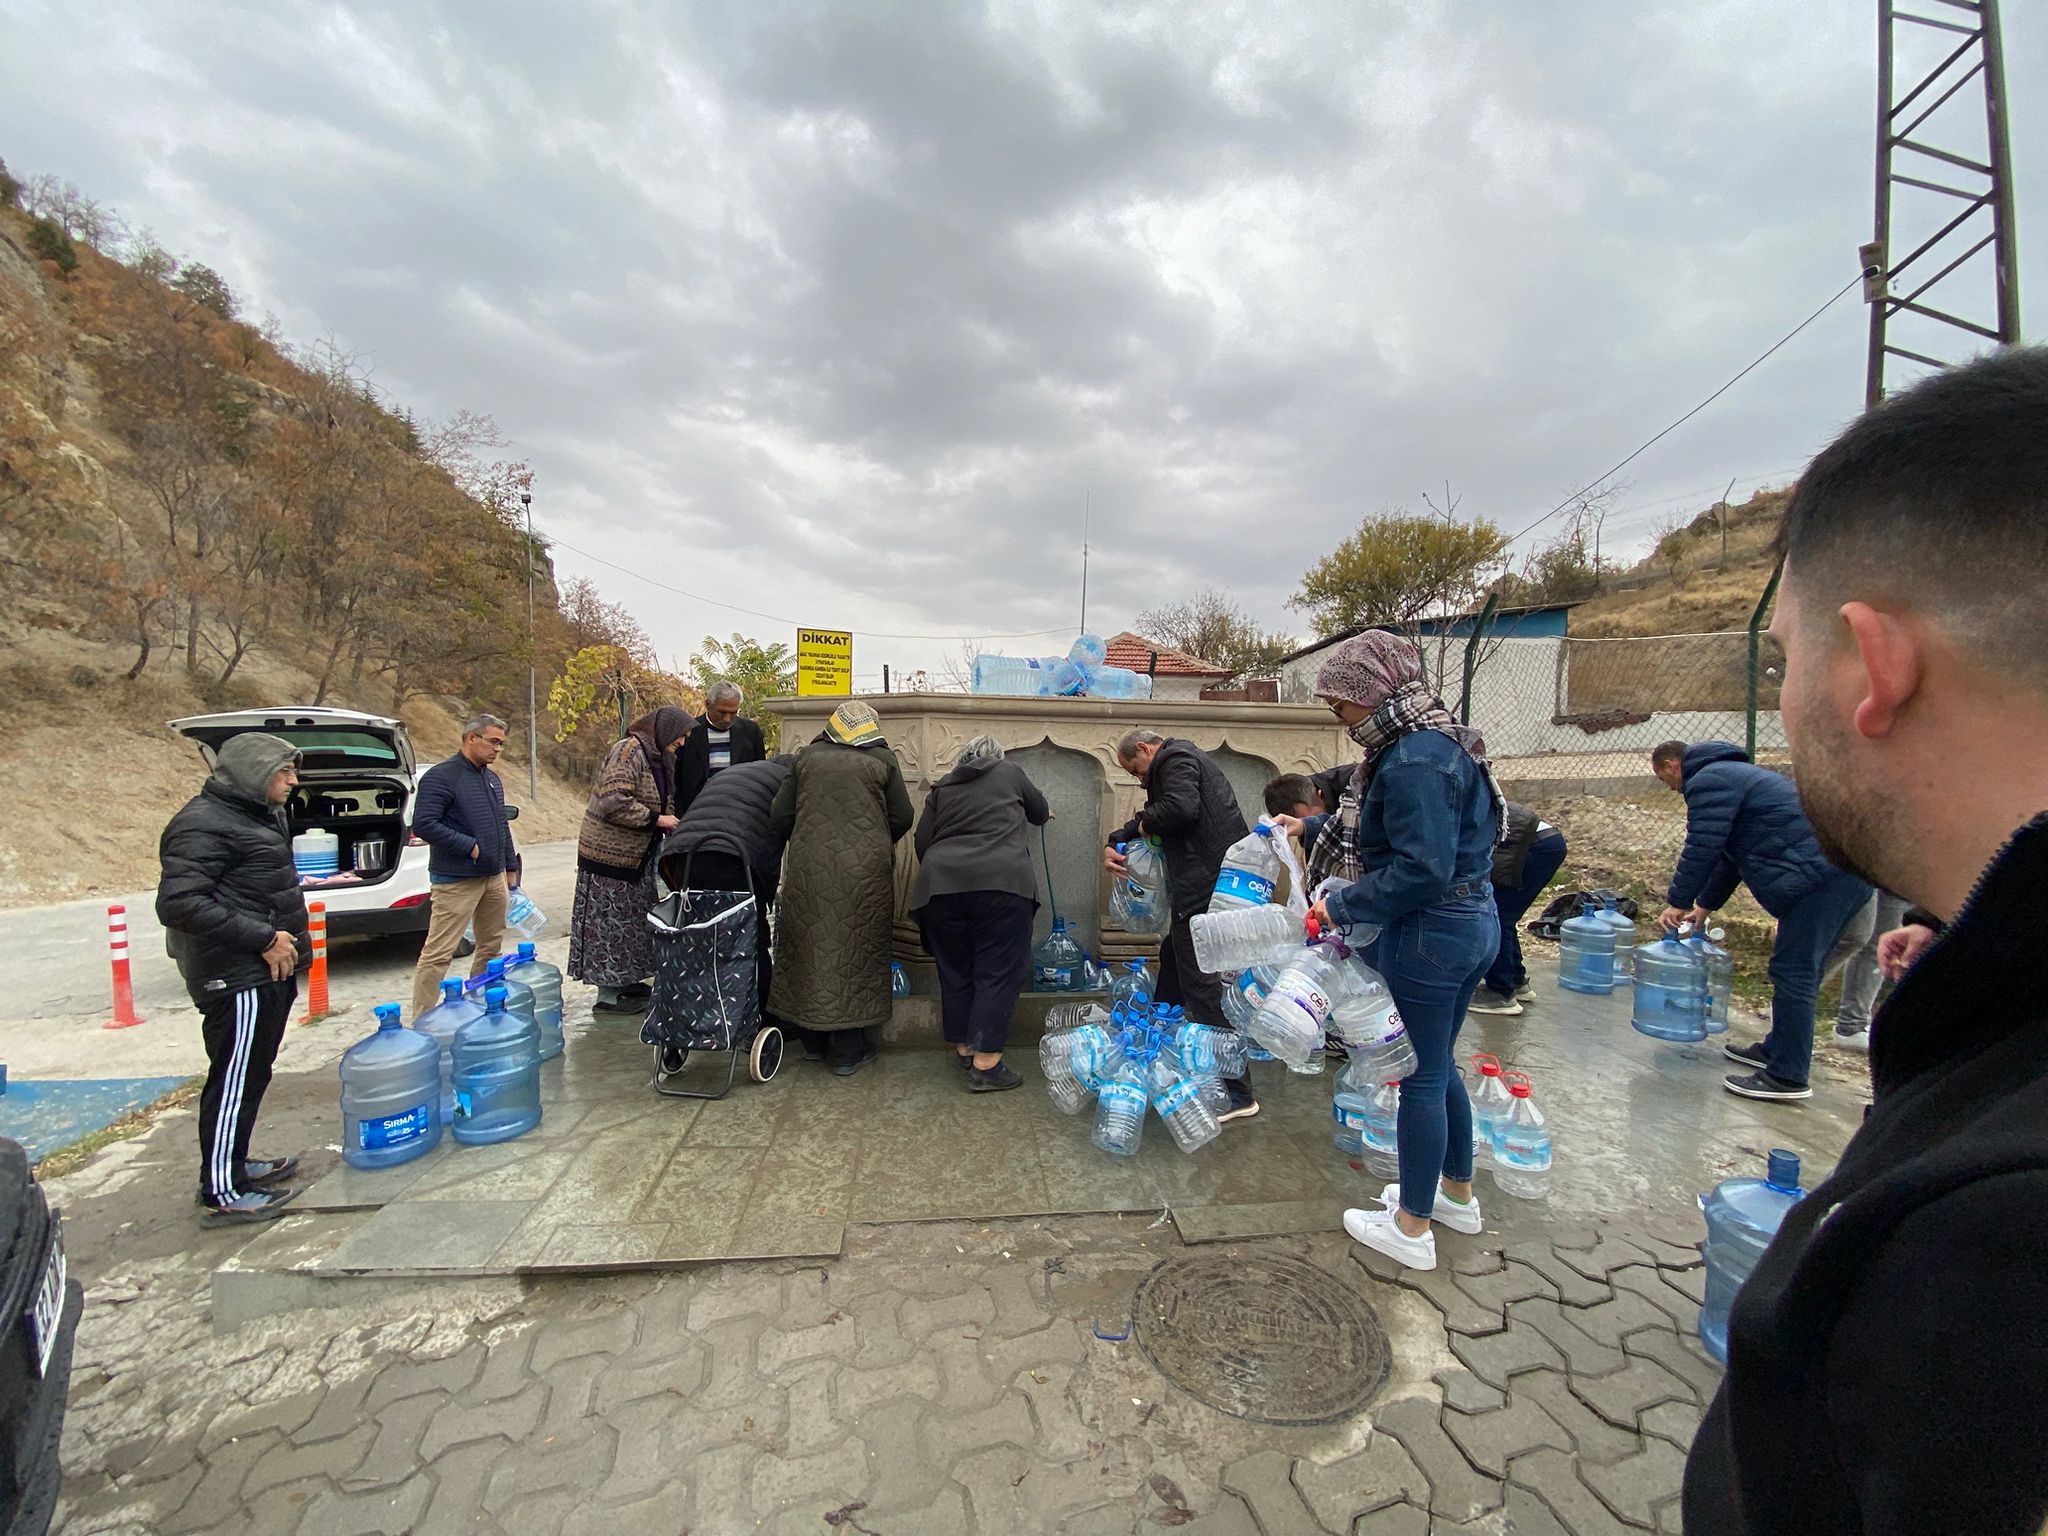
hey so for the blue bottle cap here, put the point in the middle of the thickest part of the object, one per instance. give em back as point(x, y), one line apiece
point(387, 1016)
point(450, 990)
point(494, 998)
point(526, 950)
point(1781, 1171)
point(496, 968)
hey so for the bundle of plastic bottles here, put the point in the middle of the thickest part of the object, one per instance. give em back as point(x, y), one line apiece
point(1136, 1055)
point(1081, 673)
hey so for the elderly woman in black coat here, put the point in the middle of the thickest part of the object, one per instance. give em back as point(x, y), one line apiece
point(975, 898)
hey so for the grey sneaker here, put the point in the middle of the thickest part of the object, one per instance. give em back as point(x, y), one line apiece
point(1525, 993)
point(256, 1205)
point(1486, 1000)
point(1853, 1039)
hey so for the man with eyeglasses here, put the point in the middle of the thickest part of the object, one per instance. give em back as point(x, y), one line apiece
point(460, 813)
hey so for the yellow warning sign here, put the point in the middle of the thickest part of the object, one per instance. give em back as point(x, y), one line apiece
point(824, 663)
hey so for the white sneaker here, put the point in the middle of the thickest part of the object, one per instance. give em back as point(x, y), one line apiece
point(1379, 1231)
point(1852, 1039)
point(1448, 1213)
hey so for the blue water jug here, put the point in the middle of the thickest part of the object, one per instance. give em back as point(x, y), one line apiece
point(390, 1095)
point(1585, 954)
point(1624, 939)
point(519, 997)
point(545, 982)
point(1056, 961)
point(442, 1022)
point(1720, 978)
point(497, 1075)
point(1743, 1215)
point(1671, 991)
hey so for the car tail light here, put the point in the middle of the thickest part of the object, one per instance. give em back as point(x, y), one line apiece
point(412, 901)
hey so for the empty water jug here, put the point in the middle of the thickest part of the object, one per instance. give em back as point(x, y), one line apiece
point(1177, 1100)
point(523, 915)
point(1251, 869)
point(316, 855)
point(1671, 991)
point(1132, 986)
point(1522, 1152)
point(1015, 676)
point(1056, 961)
point(442, 1023)
point(1119, 683)
point(390, 1095)
point(1297, 1008)
point(1206, 1051)
point(1380, 1133)
point(1230, 940)
point(1120, 1110)
point(1056, 1066)
point(1138, 898)
point(497, 1075)
point(1720, 978)
point(1246, 993)
point(1348, 1099)
point(1490, 1104)
point(1743, 1215)
point(545, 980)
point(1624, 937)
point(1585, 954)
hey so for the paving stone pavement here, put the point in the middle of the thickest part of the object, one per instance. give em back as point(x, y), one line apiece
point(937, 1378)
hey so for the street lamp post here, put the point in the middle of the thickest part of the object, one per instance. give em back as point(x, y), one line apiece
point(532, 661)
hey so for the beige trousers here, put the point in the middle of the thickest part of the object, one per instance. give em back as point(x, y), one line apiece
point(457, 905)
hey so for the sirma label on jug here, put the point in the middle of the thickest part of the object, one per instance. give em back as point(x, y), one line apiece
point(1245, 886)
point(395, 1130)
point(1055, 978)
point(1350, 1119)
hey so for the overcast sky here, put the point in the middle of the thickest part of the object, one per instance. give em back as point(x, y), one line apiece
point(838, 311)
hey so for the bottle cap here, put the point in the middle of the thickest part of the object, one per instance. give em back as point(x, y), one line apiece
point(1519, 1090)
point(387, 1016)
point(496, 968)
point(1264, 828)
point(451, 989)
point(526, 950)
point(1781, 1169)
point(494, 999)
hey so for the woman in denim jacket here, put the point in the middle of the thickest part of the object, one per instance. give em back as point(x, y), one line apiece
point(1414, 833)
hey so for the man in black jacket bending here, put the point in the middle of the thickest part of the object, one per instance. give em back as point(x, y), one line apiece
point(235, 922)
point(1888, 1359)
point(1192, 810)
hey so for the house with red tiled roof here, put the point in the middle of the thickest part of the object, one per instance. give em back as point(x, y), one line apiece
point(1174, 674)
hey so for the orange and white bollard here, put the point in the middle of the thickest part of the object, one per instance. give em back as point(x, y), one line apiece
point(316, 978)
point(125, 1016)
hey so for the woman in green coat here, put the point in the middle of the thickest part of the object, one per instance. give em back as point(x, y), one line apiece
point(843, 809)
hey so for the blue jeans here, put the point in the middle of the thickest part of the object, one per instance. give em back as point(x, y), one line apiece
point(1807, 930)
point(1432, 961)
point(1507, 974)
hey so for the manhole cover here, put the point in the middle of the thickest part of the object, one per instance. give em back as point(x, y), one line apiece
point(1262, 1337)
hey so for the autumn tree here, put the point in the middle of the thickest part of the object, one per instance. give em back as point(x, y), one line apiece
point(1401, 567)
point(1211, 626)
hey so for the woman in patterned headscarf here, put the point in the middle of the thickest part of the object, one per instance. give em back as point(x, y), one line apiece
point(1414, 834)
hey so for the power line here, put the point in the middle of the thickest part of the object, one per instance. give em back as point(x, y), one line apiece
point(1688, 416)
point(776, 618)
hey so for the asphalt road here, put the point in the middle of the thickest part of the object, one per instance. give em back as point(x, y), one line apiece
point(56, 990)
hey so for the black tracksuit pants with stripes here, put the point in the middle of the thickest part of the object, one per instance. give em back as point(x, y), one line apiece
point(243, 1031)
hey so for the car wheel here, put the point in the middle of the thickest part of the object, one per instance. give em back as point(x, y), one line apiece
point(765, 1058)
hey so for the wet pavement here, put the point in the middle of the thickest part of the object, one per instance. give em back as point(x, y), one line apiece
point(922, 1372)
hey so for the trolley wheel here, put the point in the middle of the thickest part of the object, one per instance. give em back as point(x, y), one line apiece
point(766, 1055)
point(669, 1060)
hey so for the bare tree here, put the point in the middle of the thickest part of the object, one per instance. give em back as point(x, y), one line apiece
point(1210, 626)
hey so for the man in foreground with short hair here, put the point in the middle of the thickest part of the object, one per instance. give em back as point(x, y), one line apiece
point(1743, 825)
point(1888, 1362)
point(459, 811)
point(1192, 810)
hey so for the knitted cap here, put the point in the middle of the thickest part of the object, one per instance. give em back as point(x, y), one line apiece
point(1367, 668)
point(854, 724)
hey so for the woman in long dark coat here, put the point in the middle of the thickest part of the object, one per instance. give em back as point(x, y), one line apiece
point(843, 808)
point(609, 943)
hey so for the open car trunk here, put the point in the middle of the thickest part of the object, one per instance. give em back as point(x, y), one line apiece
point(365, 811)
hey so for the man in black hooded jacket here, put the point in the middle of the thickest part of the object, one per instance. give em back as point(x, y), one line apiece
point(1888, 1358)
point(235, 921)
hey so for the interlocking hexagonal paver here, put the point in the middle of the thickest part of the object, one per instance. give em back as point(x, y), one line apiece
point(1552, 1477)
point(1653, 1285)
point(395, 1453)
point(777, 1348)
point(217, 1497)
point(390, 1512)
point(655, 1514)
point(459, 1478)
point(1584, 1354)
point(1682, 1354)
point(1495, 1358)
point(1393, 1520)
point(1608, 1322)
point(1511, 1282)
point(610, 1334)
point(406, 1378)
point(1635, 1487)
point(825, 1479)
point(641, 1464)
point(855, 1390)
point(1006, 1422)
point(962, 1312)
point(569, 1464)
point(1265, 1482)
point(967, 1385)
point(679, 1374)
point(1491, 1440)
point(1620, 1397)
point(1341, 1492)
point(1678, 1423)
point(1467, 1393)
point(1573, 1288)
point(329, 1459)
point(1456, 1491)
point(511, 1419)
point(1461, 1313)
point(1595, 1439)
point(1607, 1252)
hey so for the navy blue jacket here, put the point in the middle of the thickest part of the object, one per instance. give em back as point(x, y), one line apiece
point(461, 806)
point(1743, 825)
point(1428, 823)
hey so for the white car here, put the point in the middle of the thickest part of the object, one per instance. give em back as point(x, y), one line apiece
point(358, 780)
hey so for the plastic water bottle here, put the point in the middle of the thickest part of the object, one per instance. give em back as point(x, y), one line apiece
point(1231, 939)
point(1206, 1051)
point(1133, 984)
point(1251, 869)
point(1743, 1215)
point(1056, 960)
point(1671, 991)
point(1089, 650)
point(1624, 938)
point(443, 1021)
point(497, 1075)
point(390, 1095)
point(1348, 1102)
point(1585, 954)
point(1246, 994)
point(546, 983)
point(1291, 1022)
point(1177, 1100)
point(1056, 1066)
point(1720, 977)
point(1119, 683)
point(1094, 978)
point(1120, 1110)
point(1375, 1040)
point(1022, 677)
point(1521, 1159)
point(1491, 1102)
point(1137, 898)
point(1379, 1133)
point(899, 979)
